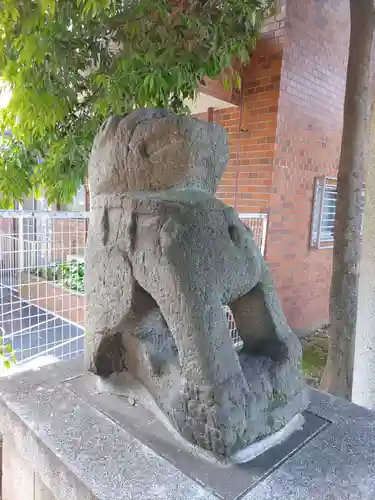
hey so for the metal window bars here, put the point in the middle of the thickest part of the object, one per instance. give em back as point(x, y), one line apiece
point(41, 281)
point(324, 212)
point(323, 215)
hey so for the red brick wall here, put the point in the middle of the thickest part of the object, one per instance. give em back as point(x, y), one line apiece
point(291, 133)
point(247, 182)
point(308, 144)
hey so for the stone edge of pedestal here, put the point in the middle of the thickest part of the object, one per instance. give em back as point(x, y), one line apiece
point(64, 478)
point(28, 445)
point(338, 463)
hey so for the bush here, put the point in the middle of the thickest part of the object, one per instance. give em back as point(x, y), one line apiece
point(67, 274)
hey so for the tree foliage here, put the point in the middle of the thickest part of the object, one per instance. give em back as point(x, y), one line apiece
point(71, 63)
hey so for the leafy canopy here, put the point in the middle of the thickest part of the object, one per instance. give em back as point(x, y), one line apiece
point(71, 63)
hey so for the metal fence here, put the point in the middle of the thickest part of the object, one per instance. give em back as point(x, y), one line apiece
point(41, 281)
point(258, 225)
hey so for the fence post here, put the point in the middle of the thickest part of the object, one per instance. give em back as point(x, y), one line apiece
point(264, 234)
point(21, 245)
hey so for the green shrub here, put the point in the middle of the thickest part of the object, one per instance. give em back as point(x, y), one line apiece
point(67, 274)
point(7, 354)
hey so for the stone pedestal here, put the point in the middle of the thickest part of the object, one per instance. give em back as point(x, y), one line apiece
point(20, 479)
point(64, 438)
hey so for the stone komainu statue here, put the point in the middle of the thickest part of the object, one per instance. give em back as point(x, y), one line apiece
point(163, 257)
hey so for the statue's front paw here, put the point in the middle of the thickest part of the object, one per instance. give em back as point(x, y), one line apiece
point(214, 418)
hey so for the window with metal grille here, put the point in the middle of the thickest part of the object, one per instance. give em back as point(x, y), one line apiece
point(324, 212)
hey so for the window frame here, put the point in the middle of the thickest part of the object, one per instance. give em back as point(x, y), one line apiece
point(320, 188)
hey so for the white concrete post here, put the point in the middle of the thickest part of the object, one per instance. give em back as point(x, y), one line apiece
point(364, 359)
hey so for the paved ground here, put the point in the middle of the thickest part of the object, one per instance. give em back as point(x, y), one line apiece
point(32, 331)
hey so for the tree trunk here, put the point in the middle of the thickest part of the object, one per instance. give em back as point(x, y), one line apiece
point(338, 375)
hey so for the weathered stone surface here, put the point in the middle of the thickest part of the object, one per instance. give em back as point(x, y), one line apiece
point(20, 481)
point(163, 256)
point(18, 478)
point(153, 150)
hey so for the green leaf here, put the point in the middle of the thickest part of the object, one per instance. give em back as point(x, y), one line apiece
point(71, 63)
point(238, 81)
point(48, 6)
point(9, 348)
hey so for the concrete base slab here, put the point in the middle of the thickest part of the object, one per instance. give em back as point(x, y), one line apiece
point(227, 481)
point(20, 481)
point(75, 441)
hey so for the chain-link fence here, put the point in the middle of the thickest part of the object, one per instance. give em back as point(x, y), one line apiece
point(41, 282)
